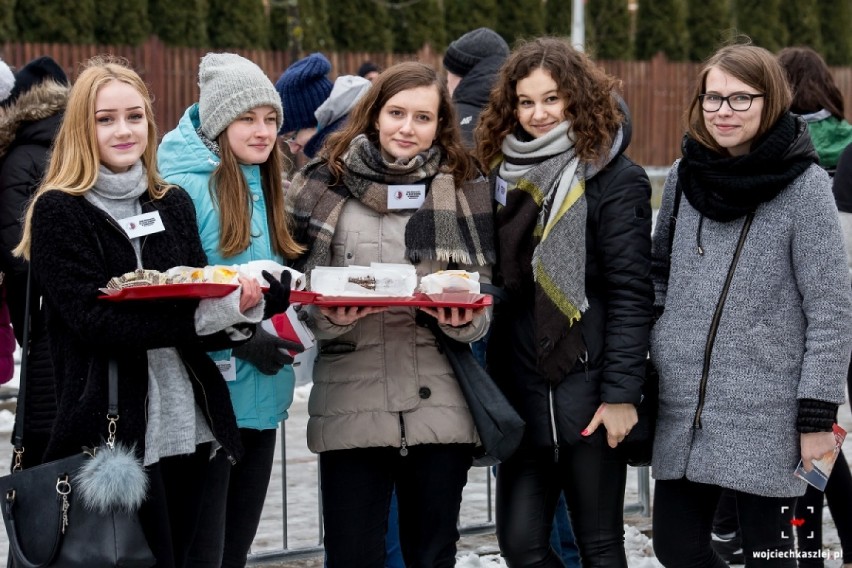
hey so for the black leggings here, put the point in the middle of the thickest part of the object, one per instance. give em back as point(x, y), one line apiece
point(683, 521)
point(528, 486)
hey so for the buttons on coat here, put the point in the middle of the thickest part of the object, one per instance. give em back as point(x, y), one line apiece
point(424, 392)
point(255, 197)
point(348, 256)
point(545, 343)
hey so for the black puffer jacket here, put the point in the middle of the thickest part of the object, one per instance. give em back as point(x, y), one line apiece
point(615, 327)
point(471, 95)
point(27, 129)
point(76, 249)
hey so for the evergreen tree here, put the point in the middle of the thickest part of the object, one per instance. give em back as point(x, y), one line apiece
point(836, 19)
point(707, 22)
point(55, 21)
point(361, 25)
point(558, 15)
point(315, 22)
point(237, 23)
point(279, 26)
point(661, 26)
point(761, 21)
point(462, 16)
point(801, 18)
point(608, 25)
point(180, 23)
point(121, 23)
point(417, 24)
point(7, 20)
point(518, 19)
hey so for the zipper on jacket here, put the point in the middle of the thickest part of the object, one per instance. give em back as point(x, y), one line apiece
point(584, 359)
point(553, 431)
point(207, 412)
point(403, 448)
point(714, 323)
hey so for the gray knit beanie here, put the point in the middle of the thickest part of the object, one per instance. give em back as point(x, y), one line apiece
point(473, 47)
point(231, 85)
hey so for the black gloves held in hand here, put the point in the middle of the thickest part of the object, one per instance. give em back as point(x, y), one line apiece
point(267, 352)
point(277, 298)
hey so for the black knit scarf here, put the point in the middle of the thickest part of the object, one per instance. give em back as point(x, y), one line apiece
point(724, 188)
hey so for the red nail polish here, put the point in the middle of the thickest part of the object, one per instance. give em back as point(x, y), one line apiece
point(585, 432)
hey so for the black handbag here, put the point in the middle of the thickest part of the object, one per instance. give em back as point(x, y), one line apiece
point(46, 519)
point(498, 424)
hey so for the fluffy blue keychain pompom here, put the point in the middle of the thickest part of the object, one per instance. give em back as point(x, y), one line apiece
point(112, 481)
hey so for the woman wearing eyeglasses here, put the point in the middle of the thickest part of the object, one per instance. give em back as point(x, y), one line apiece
point(753, 340)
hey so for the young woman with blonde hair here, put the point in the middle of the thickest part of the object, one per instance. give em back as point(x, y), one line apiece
point(78, 234)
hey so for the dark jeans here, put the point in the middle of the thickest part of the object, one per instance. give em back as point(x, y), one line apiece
point(356, 491)
point(591, 475)
point(227, 526)
point(171, 512)
point(683, 521)
point(838, 493)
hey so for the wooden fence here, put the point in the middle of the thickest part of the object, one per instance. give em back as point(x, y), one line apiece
point(656, 91)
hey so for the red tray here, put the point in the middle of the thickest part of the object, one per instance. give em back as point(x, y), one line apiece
point(416, 301)
point(172, 291)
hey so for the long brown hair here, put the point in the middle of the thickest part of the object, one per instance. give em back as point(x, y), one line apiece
point(365, 115)
point(586, 88)
point(75, 158)
point(754, 66)
point(810, 80)
point(229, 188)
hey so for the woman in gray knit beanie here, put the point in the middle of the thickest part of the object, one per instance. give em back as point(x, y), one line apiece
point(753, 341)
point(224, 152)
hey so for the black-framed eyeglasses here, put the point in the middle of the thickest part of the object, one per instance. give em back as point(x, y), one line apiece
point(739, 102)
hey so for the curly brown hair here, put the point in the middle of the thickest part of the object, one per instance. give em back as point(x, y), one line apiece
point(586, 88)
point(365, 115)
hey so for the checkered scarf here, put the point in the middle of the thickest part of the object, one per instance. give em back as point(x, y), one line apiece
point(452, 225)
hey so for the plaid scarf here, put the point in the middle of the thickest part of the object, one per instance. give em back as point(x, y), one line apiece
point(452, 225)
point(542, 236)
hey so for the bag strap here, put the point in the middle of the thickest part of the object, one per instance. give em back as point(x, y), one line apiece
point(18, 433)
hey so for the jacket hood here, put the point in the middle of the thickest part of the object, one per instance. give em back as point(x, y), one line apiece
point(475, 87)
point(345, 93)
point(802, 146)
point(182, 151)
point(626, 123)
point(45, 100)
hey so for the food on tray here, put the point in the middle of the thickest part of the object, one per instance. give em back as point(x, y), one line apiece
point(450, 281)
point(378, 279)
point(176, 275)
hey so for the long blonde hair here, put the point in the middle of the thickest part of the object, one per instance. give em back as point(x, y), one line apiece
point(75, 157)
point(229, 188)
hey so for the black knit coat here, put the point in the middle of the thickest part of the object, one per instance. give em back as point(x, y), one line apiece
point(76, 248)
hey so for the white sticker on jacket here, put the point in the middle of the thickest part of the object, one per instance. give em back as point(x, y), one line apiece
point(228, 369)
point(501, 188)
point(141, 225)
point(406, 196)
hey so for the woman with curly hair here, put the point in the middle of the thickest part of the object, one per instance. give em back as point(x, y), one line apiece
point(569, 345)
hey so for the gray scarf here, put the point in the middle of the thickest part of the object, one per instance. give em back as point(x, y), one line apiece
point(117, 193)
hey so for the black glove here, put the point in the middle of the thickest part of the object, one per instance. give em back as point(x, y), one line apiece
point(267, 352)
point(277, 298)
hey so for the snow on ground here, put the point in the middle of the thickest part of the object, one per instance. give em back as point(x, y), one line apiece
point(299, 477)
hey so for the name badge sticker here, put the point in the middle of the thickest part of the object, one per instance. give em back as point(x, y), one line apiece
point(141, 225)
point(406, 196)
point(501, 188)
point(228, 368)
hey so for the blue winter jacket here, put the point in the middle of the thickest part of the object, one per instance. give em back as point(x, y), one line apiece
point(260, 401)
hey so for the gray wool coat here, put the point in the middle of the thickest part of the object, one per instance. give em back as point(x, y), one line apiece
point(784, 335)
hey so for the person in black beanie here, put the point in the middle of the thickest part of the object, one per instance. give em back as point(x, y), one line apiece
point(29, 119)
point(472, 62)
